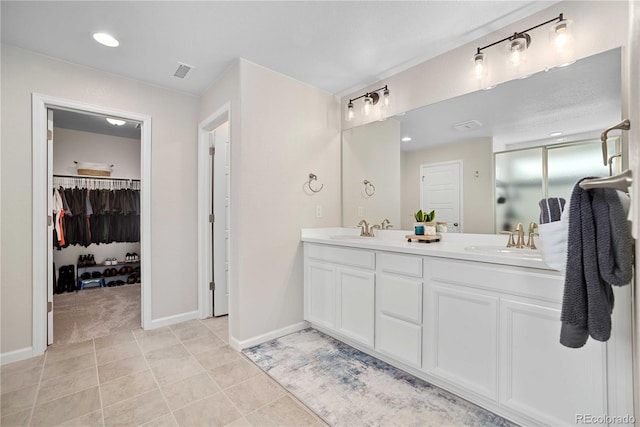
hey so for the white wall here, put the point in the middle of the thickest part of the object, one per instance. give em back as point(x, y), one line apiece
point(71, 145)
point(173, 174)
point(371, 152)
point(598, 26)
point(281, 131)
point(476, 155)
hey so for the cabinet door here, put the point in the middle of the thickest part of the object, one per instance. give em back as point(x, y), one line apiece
point(541, 378)
point(355, 304)
point(320, 294)
point(461, 338)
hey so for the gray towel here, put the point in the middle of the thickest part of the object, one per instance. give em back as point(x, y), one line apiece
point(598, 256)
point(551, 209)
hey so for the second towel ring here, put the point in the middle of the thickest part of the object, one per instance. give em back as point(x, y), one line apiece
point(313, 177)
point(369, 188)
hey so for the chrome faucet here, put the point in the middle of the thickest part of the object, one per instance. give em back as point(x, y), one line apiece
point(386, 224)
point(530, 243)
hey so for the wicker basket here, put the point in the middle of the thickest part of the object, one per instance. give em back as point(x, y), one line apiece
point(93, 169)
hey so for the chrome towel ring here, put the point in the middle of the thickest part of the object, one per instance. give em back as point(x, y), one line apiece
point(369, 188)
point(313, 177)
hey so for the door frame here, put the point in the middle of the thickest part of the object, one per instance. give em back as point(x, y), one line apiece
point(460, 163)
point(40, 229)
point(205, 300)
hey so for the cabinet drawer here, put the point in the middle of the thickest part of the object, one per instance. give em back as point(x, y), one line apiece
point(400, 297)
point(399, 339)
point(338, 255)
point(400, 264)
point(520, 281)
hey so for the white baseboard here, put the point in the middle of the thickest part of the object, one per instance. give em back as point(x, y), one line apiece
point(240, 345)
point(16, 355)
point(172, 320)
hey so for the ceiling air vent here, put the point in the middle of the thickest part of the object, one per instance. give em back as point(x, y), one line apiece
point(183, 70)
point(468, 125)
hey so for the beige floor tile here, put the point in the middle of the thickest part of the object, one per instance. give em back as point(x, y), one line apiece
point(233, 373)
point(185, 325)
point(217, 323)
point(19, 419)
point(121, 368)
point(15, 380)
point(68, 366)
point(187, 391)
point(223, 335)
point(196, 331)
point(163, 421)
point(153, 340)
point(115, 339)
point(18, 400)
point(127, 387)
point(217, 357)
point(166, 353)
point(254, 393)
point(136, 411)
point(66, 408)
point(117, 352)
point(240, 422)
point(94, 419)
point(67, 384)
point(33, 362)
point(202, 344)
point(173, 370)
point(216, 410)
point(56, 354)
point(283, 412)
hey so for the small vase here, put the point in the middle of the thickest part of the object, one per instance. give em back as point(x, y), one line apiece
point(430, 228)
point(418, 228)
point(441, 227)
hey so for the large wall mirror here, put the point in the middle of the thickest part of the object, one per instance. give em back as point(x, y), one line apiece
point(484, 160)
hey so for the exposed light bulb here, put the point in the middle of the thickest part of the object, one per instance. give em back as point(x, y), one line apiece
point(562, 37)
point(385, 98)
point(366, 106)
point(516, 55)
point(349, 115)
point(519, 43)
point(478, 65)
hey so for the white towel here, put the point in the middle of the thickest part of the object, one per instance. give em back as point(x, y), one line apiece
point(553, 241)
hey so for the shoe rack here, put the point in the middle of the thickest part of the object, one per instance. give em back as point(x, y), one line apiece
point(123, 272)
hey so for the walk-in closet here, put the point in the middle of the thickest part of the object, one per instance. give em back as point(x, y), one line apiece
point(95, 203)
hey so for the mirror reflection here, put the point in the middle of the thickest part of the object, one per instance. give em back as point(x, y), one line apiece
point(441, 156)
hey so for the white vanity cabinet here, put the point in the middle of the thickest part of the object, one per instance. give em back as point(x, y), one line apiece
point(486, 331)
point(339, 291)
point(399, 307)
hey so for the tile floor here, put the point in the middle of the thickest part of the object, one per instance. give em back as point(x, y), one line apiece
point(182, 375)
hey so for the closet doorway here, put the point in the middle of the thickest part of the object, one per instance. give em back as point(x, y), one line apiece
point(96, 235)
point(120, 223)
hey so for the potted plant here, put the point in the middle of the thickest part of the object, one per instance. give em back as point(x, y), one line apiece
point(425, 223)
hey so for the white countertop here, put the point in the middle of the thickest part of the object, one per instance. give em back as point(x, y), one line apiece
point(451, 245)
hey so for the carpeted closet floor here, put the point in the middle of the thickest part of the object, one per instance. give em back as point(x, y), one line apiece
point(95, 312)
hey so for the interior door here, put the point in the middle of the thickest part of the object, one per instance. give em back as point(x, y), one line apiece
point(440, 190)
point(219, 167)
point(50, 220)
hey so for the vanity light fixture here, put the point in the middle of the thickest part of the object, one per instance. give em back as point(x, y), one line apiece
point(371, 99)
point(106, 39)
point(116, 122)
point(520, 41)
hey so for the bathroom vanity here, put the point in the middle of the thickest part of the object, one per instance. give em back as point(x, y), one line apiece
point(470, 316)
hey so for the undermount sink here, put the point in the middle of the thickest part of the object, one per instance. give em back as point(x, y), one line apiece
point(350, 237)
point(502, 250)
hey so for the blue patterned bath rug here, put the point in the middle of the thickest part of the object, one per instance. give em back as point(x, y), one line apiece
point(347, 387)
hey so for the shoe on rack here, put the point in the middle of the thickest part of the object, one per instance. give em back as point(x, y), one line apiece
point(81, 261)
point(91, 260)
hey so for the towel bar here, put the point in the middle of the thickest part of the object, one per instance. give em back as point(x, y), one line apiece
point(620, 182)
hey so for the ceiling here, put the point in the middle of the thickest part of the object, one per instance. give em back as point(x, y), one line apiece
point(580, 98)
point(95, 124)
point(338, 46)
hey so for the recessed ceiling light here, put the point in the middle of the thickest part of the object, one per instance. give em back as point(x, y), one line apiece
point(561, 139)
point(554, 134)
point(406, 139)
point(116, 122)
point(106, 39)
